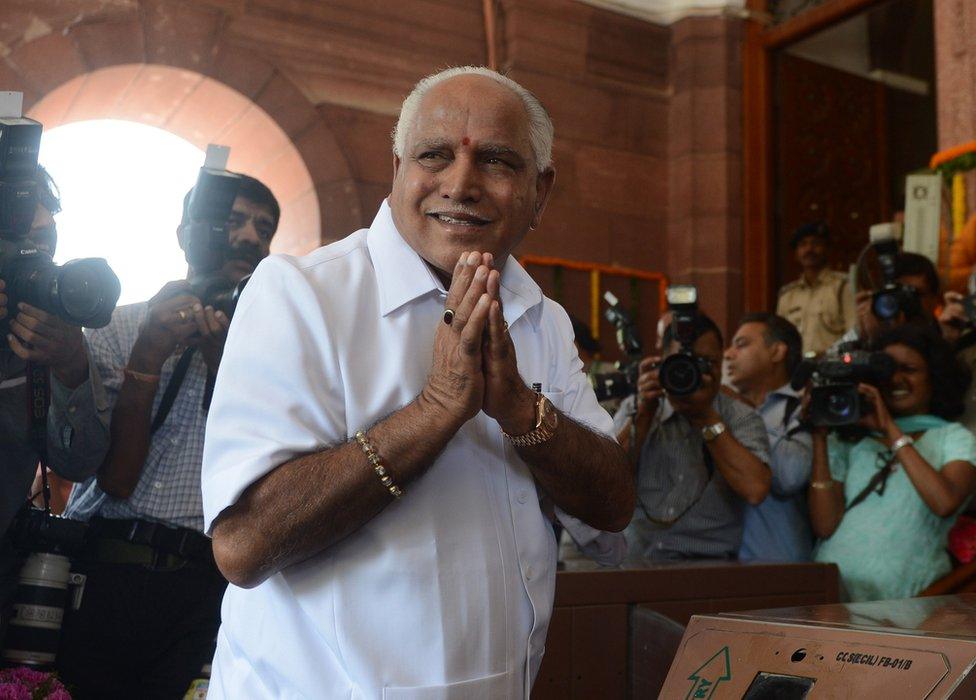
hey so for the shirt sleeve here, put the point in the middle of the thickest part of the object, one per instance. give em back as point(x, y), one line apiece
point(748, 428)
point(958, 444)
point(78, 425)
point(624, 410)
point(578, 398)
point(579, 402)
point(605, 548)
point(792, 457)
point(838, 457)
point(781, 304)
point(292, 372)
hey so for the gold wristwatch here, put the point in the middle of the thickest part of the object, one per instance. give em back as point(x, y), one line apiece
point(546, 421)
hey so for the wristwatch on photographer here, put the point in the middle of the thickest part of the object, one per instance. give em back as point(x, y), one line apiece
point(546, 421)
point(710, 432)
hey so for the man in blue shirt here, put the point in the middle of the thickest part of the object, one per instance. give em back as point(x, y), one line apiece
point(759, 362)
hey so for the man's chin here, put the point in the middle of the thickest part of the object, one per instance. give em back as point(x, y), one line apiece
point(237, 269)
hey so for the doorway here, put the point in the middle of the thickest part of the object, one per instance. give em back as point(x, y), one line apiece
point(839, 108)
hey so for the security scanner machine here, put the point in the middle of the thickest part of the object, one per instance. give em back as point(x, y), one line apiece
point(899, 649)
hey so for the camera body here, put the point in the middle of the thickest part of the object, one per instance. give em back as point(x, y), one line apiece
point(206, 239)
point(681, 373)
point(893, 298)
point(81, 292)
point(623, 382)
point(35, 530)
point(834, 398)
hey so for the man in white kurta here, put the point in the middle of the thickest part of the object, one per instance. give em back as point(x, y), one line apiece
point(447, 591)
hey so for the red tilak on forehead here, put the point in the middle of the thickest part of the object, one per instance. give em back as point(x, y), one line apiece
point(465, 140)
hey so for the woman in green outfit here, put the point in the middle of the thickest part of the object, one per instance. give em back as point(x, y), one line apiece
point(883, 505)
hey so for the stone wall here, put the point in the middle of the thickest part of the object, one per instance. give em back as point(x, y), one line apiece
point(955, 57)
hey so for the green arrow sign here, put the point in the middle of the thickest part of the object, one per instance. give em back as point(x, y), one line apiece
point(707, 677)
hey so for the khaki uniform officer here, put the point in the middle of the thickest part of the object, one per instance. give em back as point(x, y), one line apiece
point(820, 303)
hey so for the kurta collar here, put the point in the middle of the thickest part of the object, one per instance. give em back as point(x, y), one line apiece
point(403, 276)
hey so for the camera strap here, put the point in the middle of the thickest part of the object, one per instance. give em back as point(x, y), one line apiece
point(792, 404)
point(172, 389)
point(877, 481)
point(38, 400)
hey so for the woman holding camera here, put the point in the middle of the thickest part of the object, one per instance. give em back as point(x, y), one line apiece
point(883, 505)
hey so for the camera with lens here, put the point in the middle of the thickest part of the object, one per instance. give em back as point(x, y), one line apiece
point(206, 239)
point(46, 587)
point(893, 298)
point(81, 292)
point(622, 382)
point(681, 373)
point(834, 398)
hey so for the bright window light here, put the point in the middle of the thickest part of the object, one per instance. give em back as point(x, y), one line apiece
point(122, 186)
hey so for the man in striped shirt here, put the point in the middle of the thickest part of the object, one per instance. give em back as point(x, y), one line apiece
point(151, 606)
point(700, 459)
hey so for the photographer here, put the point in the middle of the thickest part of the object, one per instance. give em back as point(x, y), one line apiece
point(913, 271)
point(762, 357)
point(76, 427)
point(150, 610)
point(701, 458)
point(883, 504)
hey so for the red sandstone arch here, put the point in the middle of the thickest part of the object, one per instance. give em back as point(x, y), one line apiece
point(167, 66)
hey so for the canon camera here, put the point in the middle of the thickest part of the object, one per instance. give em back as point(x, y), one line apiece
point(81, 292)
point(681, 373)
point(206, 239)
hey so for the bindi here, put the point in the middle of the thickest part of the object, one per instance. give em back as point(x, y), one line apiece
point(466, 141)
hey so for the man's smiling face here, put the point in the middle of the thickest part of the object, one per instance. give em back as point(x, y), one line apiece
point(467, 179)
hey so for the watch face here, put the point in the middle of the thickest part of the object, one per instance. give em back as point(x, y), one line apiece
point(550, 419)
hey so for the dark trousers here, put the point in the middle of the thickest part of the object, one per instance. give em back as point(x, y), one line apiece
point(140, 632)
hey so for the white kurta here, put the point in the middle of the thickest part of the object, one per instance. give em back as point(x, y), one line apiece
point(447, 593)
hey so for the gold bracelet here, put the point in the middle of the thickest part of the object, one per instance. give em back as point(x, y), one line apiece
point(141, 376)
point(828, 484)
point(377, 463)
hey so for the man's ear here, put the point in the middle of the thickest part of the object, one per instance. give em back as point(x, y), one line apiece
point(543, 188)
point(396, 165)
point(778, 352)
point(179, 237)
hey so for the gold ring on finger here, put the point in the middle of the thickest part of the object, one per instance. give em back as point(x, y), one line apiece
point(448, 316)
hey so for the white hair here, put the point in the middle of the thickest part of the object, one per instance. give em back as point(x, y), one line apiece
point(540, 125)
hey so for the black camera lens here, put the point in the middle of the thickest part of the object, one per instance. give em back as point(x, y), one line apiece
point(87, 290)
point(81, 292)
point(885, 305)
point(680, 375)
point(840, 406)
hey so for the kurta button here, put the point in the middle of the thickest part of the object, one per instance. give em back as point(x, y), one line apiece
point(523, 496)
point(528, 573)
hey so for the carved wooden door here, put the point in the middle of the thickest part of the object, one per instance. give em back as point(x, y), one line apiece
point(830, 158)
